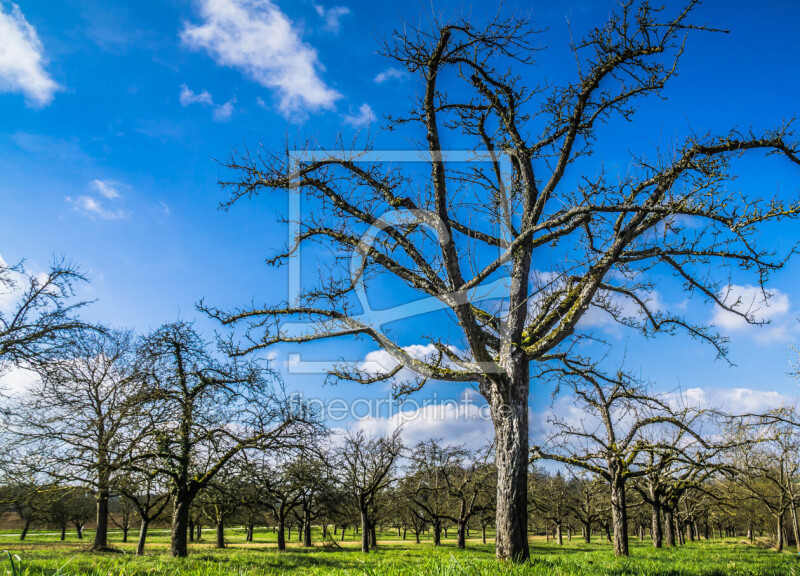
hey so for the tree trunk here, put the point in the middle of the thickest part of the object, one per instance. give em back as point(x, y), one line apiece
point(404, 532)
point(559, 536)
point(437, 533)
point(142, 537)
point(63, 533)
point(795, 525)
point(101, 532)
point(510, 418)
point(779, 533)
point(221, 533)
point(483, 534)
point(79, 530)
point(199, 531)
point(364, 532)
point(25, 528)
point(125, 533)
point(191, 530)
point(587, 533)
point(655, 527)
point(281, 534)
point(669, 524)
point(619, 516)
point(462, 542)
point(373, 537)
point(307, 532)
point(343, 531)
point(180, 524)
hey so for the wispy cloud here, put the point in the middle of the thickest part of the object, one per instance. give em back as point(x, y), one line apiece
point(94, 206)
point(22, 58)
point(188, 97)
point(255, 37)
point(332, 16)
point(365, 115)
point(221, 113)
point(390, 73)
point(106, 188)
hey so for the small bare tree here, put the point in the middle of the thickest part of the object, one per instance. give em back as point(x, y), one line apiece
point(212, 410)
point(614, 438)
point(42, 319)
point(82, 419)
point(366, 467)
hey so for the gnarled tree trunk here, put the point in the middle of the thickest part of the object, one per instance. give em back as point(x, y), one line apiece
point(510, 418)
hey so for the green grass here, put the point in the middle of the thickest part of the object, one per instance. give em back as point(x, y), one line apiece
point(42, 554)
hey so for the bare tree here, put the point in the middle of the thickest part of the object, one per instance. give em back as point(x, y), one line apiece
point(466, 235)
point(614, 438)
point(81, 421)
point(366, 465)
point(216, 410)
point(42, 320)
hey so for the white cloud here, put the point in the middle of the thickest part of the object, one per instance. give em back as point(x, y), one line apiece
point(732, 400)
point(365, 115)
point(254, 36)
point(388, 74)
point(380, 362)
point(462, 421)
point(106, 188)
point(16, 381)
point(188, 97)
point(332, 16)
point(93, 206)
point(22, 58)
point(770, 305)
point(223, 112)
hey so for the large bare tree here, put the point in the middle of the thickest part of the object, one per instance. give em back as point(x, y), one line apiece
point(461, 233)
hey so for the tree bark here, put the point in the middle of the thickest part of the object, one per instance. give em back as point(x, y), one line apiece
point(191, 530)
point(307, 531)
point(510, 418)
point(437, 533)
point(221, 533)
point(63, 533)
point(142, 537)
point(669, 524)
point(619, 516)
point(364, 532)
point(180, 525)
point(25, 528)
point(795, 525)
point(656, 532)
point(101, 532)
point(281, 534)
point(587, 532)
point(779, 533)
point(462, 541)
point(125, 533)
point(559, 535)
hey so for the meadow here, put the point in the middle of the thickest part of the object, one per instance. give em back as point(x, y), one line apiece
point(44, 554)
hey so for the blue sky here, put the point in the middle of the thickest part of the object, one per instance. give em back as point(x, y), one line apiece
point(112, 115)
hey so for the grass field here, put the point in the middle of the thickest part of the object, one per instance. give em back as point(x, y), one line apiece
point(43, 554)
